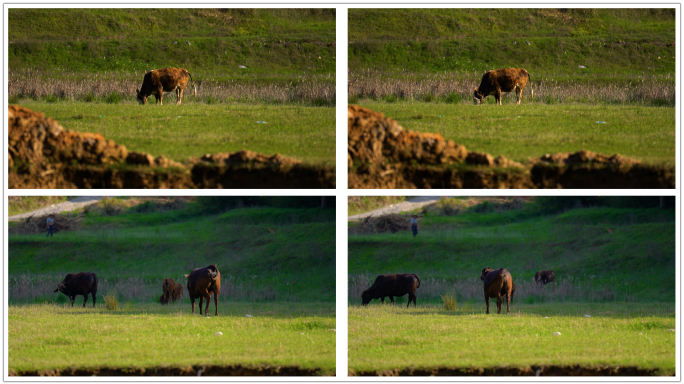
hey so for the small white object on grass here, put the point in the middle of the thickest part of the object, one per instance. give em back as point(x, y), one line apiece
point(218, 334)
point(556, 333)
point(581, 66)
point(241, 66)
point(640, 333)
point(248, 315)
point(671, 330)
point(587, 316)
point(333, 330)
point(546, 317)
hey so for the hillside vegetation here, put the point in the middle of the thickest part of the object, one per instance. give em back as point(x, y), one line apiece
point(614, 44)
point(599, 254)
point(264, 254)
point(270, 42)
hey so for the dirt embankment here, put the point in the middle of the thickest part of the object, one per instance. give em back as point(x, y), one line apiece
point(381, 154)
point(198, 370)
point(42, 154)
point(548, 370)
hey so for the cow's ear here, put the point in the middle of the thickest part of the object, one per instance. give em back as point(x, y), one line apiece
point(55, 290)
point(186, 276)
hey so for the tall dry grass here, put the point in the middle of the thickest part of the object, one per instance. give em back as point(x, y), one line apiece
point(471, 289)
point(458, 88)
point(29, 287)
point(117, 87)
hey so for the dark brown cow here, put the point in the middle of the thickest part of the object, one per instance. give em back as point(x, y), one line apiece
point(502, 80)
point(163, 299)
point(545, 277)
point(202, 282)
point(392, 285)
point(171, 291)
point(158, 81)
point(497, 284)
point(82, 283)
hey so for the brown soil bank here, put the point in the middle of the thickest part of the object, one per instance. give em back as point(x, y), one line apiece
point(198, 370)
point(381, 154)
point(548, 370)
point(42, 154)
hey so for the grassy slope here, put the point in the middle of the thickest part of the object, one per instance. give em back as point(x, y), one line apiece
point(360, 204)
point(519, 132)
point(300, 249)
point(640, 248)
point(271, 42)
point(385, 337)
point(21, 204)
point(48, 336)
point(610, 42)
point(305, 133)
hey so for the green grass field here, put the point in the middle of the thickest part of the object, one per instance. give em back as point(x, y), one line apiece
point(48, 336)
point(179, 132)
point(519, 132)
point(390, 337)
point(614, 259)
point(611, 43)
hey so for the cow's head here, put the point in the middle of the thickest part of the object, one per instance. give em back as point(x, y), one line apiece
point(484, 272)
point(61, 288)
point(366, 297)
point(477, 97)
point(142, 99)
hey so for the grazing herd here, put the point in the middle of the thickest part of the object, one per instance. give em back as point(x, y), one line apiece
point(497, 284)
point(202, 283)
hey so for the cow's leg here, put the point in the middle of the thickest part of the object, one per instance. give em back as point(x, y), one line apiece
point(497, 96)
point(200, 304)
point(487, 301)
point(411, 297)
point(518, 95)
point(206, 309)
point(499, 303)
point(94, 294)
point(508, 302)
point(391, 299)
point(179, 96)
point(382, 300)
point(192, 300)
point(216, 302)
point(71, 299)
point(85, 299)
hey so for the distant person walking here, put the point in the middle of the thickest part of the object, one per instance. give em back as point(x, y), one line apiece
point(414, 225)
point(50, 225)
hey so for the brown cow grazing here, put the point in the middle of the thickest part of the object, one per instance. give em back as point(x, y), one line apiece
point(158, 81)
point(82, 283)
point(502, 80)
point(171, 291)
point(497, 284)
point(392, 285)
point(202, 282)
point(545, 277)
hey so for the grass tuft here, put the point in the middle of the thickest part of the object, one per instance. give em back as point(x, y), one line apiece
point(111, 301)
point(449, 301)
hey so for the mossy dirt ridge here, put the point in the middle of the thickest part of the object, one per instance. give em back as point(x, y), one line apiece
point(42, 154)
point(381, 154)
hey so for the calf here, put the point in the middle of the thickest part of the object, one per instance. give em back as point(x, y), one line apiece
point(82, 283)
point(497, 284)
point(502, 80)
point(545, 277)
point(392, 285)
point(158, 81)
point(202, 282)
point(171, 291)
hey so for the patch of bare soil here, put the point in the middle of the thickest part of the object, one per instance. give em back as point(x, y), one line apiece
point(42, 154)
point(198, 370)
point(381, 154)
point(542, 370)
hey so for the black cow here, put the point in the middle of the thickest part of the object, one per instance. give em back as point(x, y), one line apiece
point(498, 284)
point(392, 285)
point(502, 80)
point(82, 283)
point(545, 277)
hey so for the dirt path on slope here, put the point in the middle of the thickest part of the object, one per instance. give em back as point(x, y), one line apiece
point(66, 206)
point(415, 203)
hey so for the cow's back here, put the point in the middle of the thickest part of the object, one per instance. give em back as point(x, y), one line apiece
point(83, 283)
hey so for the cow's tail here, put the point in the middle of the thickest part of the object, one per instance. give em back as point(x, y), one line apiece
point(529, 80)
point(418, 281)
point(193, 86)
